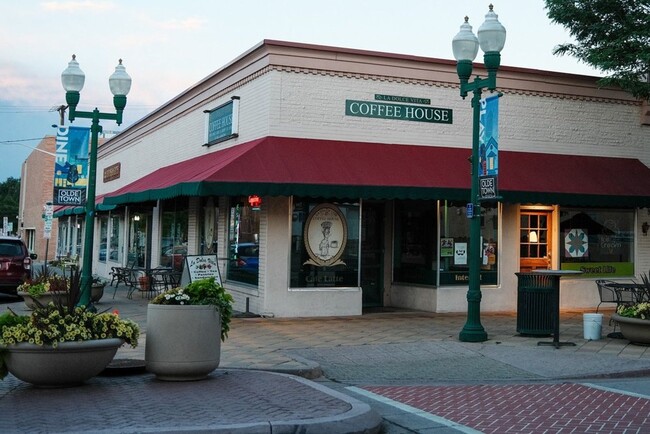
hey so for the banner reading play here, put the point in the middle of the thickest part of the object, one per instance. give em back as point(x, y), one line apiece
point(71, 165)
point(489, 147)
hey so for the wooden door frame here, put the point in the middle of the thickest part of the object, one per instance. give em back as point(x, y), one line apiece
point(552, 226)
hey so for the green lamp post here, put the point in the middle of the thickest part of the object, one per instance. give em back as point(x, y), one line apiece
point(119, 82)
point(491, 38)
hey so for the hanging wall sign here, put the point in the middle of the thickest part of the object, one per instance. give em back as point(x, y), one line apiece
point(415, 113)
point(71, 165)
point(222, 122)
point(326, 234)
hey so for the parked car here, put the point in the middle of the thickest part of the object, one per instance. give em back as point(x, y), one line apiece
point(244, 262)
point(15, 264)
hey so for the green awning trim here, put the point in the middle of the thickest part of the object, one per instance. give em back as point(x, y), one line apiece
point(367, 192)
point(268, 189)
point(80, 210)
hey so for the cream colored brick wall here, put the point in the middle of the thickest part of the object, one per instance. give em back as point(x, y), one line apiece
point(313, 106)
point(183, 137)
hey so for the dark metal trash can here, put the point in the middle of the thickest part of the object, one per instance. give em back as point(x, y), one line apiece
point(537, 303)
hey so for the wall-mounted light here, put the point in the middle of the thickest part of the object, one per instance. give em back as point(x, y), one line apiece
point(136, 218)
point(644, 228)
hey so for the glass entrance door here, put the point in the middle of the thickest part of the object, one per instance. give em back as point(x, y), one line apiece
point(372, 254)
point(138, 240)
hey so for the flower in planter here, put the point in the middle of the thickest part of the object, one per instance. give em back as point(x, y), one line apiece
point(201, 292)
point(43, 283)
point(638, 310)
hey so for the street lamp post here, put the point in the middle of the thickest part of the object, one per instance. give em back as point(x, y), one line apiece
point(119, 82)
point(491, 38)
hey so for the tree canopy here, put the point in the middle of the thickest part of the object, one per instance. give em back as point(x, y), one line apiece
point(9, 197)
point(612, 36)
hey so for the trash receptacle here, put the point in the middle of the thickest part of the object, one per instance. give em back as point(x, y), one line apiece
point(537, 303)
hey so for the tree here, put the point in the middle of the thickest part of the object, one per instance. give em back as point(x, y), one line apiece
point(9, 197)
point(612, 36)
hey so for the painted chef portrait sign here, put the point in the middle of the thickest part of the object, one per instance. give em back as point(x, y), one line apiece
point(326, 233)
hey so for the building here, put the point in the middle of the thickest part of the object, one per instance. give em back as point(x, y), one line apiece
point(328, 179)
point(36, 177)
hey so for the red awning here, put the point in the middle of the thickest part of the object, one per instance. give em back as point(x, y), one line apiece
point(277, 166)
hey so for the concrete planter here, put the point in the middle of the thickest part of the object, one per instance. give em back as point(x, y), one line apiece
point(96, 292)
point(183, 342)
point(69, 364)
point(634, 330)
point(44, 299)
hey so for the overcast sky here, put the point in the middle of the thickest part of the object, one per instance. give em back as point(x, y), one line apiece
point(168, 46)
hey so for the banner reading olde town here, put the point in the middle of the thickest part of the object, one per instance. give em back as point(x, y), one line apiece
point(489, 147)
point(71, 166)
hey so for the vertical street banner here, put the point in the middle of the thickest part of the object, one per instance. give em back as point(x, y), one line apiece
point(71, 166)
point(489, 147)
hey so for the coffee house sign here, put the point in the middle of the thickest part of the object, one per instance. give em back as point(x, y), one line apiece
point(383, 110)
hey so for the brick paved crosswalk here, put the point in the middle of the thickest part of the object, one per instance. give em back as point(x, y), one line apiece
point(528, 408)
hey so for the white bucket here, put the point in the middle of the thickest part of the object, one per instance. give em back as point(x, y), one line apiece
point(593, 324)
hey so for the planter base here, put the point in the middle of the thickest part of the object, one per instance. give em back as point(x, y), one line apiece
point(44, 299)
point(634, 330)
point(69, 364)
point(183, 342)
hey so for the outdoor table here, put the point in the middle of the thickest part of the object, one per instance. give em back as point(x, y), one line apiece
point(556, 274)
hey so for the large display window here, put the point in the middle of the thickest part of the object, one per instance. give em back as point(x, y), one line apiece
point(324, 244)
point(454, 243)
point(116, 239)
point(103, 237)
point(243, 236)
point(598, 242)
point(173, 243)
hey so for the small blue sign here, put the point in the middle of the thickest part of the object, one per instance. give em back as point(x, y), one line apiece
point(469, 212)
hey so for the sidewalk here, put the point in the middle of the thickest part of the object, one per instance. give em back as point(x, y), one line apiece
point(246, 394)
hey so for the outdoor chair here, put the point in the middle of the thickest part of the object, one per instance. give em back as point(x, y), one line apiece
point(610, 292)
point(120, 274)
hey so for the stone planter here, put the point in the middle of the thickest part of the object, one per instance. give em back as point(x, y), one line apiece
point(183, 342)
point(96, 292)
point(633, 329)
point(44, 299)
point(69, 364)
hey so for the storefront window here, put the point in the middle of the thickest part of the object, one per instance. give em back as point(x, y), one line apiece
point(173, 245)
point(103, 236)
point(415, 242)
point(243, 236)
point(324, 244)
point(78, 222)
point(115, 245)
point(597, 242)
point(454, 244)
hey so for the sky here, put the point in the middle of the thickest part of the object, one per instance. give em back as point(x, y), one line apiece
point(168, 46)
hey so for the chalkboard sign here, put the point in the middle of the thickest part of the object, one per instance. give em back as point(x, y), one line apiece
point(201, 267)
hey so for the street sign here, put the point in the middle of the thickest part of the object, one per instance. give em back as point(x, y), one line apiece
point(47, 226)
point(469, 212)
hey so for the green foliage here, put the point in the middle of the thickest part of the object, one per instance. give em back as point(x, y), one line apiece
point(202, 292)
point(9, 198)
point(612, 36)
point(639, 311)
